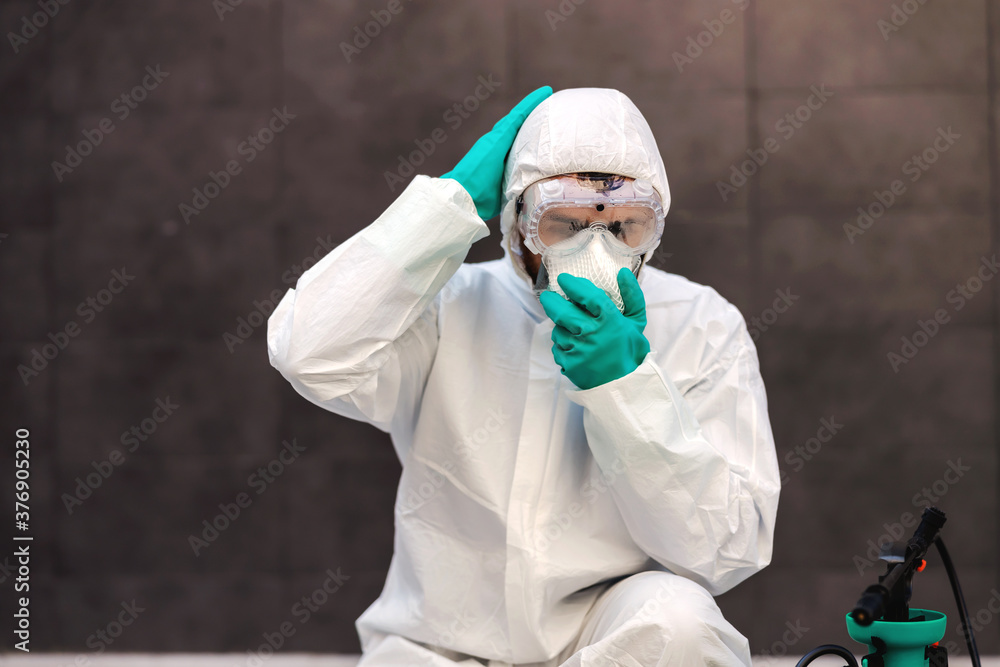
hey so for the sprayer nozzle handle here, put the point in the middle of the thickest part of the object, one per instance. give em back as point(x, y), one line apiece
point(871, 606)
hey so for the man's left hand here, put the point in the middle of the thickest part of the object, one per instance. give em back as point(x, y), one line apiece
point(594, 342)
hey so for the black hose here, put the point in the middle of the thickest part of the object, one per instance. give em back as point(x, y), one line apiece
point(828, 649)
point(963, 611)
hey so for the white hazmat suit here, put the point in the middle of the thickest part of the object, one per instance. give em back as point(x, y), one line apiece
point(536, 523)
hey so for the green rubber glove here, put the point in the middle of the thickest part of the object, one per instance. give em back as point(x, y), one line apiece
point(594, 342)
point(480, 172)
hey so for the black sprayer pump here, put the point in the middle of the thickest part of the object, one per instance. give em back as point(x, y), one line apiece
point(896, 635)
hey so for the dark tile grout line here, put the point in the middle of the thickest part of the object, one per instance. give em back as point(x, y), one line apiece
point(877, 89)
point(52, 400)
point(166, 109)
point(511, 38)
point(994, 215)
point(753, 209)
point(279, 237)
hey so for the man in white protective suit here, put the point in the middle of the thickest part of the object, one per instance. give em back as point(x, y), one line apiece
point(585, 446)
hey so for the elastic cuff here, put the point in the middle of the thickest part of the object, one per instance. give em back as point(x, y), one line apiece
point(625, 386)
point(456, 192)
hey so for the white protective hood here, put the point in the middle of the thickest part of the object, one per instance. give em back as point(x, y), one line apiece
point(580, 129)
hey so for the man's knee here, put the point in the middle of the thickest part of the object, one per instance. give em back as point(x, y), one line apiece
point(660, 615)
point(669, 602)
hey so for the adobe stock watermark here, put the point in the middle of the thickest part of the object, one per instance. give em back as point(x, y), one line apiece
point(223, 7)
point(652, 607)
point(698, 44)
point(372, 29)
point(246, 326)
point(915, 167)
point(591, 490)
point(418, 495)
point(260, 480)
point(256, 318)
point(131, 439)
point(786, 126)
point(984, 616)
point(471, 443)
point(927, 329)
point(249, 149)
point(928, 496)
point(461, 622)
point(102, 638)
point(566, 9)
point(782, 302)
point(302, 611)
point(793, 633)
point(898, 17)
point(87, 310)
point(30, 25)
point(457, 114)
point(659, 260)
point(798, 456)
point(6, 570)
point(978, 622)
point(122, 107)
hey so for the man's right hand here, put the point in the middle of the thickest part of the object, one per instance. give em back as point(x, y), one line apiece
point(480, 172)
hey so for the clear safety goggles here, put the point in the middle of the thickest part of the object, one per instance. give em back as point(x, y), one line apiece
point(555, 209)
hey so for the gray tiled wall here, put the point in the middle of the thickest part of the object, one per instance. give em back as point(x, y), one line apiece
point(322, 179)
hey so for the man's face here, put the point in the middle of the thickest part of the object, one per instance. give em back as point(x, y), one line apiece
point(569, 220)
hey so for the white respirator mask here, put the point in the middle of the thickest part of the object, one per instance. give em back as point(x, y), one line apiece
point(590, 226)
point(594, 254)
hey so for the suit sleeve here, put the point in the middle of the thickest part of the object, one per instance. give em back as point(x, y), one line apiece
point(358, 333)
point(695, 476)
